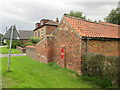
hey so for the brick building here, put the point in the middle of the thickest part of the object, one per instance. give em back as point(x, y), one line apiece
point(22, 35)
point(73, 38)
point(45, 27)
point(43, 30)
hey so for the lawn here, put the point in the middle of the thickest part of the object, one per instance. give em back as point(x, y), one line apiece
point(28, 73)
point(5, 50)
point(0, 74)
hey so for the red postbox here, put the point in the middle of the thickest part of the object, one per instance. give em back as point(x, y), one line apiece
point(62, 53)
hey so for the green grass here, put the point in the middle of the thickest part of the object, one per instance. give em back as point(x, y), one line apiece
point(5, 50)
point(28, 73)
point(101, 82)
point(0, 74)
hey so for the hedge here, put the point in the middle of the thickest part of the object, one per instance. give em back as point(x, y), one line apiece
point(15, 43)
point(102, 67)
point(34, 40)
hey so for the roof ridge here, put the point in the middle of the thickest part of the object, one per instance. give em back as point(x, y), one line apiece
point(106, 23)
point(50, 21)
point(91, 21)
point(92, 29)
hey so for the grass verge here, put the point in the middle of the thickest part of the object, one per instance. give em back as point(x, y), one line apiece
point(5, 50)
point(28, 73)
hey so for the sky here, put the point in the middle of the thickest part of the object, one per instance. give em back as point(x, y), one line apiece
point(25, 13)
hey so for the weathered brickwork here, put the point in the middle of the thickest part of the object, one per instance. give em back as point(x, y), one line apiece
point(31, 51)
point(66, 37)
point(50, 29)
point(41, 51)
point(105, 47)
point(45, 50)
point(50, 49)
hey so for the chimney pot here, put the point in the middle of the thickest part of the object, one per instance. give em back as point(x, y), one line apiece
point(65, 14)
point(57, 20)
point(37, 25)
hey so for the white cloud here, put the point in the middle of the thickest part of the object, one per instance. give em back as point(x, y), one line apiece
point(24, 13)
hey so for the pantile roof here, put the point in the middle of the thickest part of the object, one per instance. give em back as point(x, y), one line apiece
point(92, 29)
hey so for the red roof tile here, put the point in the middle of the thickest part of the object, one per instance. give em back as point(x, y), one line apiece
point(91, 29)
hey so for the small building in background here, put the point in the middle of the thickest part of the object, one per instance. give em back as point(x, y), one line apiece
point(1, 38)
point(7, 35)
point(25, 35)
point(22, 35)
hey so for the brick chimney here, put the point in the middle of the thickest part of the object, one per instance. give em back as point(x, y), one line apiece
point(37, 25)
point(43, 21)
point(57, 20)
point(65, 14)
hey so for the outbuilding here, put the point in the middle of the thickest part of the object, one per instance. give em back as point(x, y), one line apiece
point(75, 37)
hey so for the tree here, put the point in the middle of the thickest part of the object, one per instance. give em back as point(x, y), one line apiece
point(77, 14)
point(114, 16)
point(34, 40)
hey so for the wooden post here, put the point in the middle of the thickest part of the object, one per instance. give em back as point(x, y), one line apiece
point(87, 46)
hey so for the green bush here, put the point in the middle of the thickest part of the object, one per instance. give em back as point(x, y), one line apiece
point(93, 64)
point(3, 44)
point(15, 43)
point(112, 69)
point(102, 67)
point(34, 40)
point(27, 44)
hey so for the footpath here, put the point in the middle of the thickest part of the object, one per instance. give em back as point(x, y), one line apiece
point(13, 55)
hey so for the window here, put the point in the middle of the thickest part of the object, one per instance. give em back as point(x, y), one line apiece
point(42, 33)
point(35, 34)
point(38, 33)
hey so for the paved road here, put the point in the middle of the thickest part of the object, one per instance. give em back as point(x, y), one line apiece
point(13, 55)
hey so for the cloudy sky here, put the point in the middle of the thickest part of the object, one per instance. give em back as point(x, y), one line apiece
point(25, 13)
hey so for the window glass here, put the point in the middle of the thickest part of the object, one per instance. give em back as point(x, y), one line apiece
point(42, 33)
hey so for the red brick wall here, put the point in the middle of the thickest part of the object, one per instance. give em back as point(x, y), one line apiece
point(66, 37)
point(31, 52)
point(50, 49)
point(41, 51)
point(108, 48)
point(45, 50)
point(50, 29)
